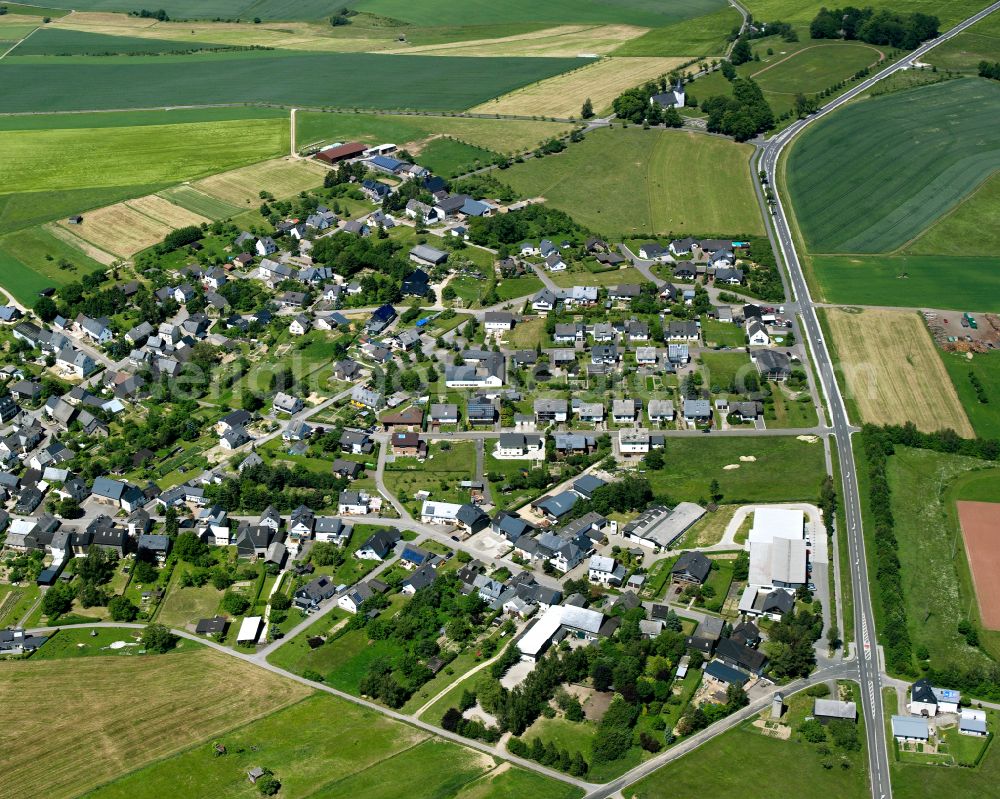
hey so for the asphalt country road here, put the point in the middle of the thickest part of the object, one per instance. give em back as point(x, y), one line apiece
point(868, 659)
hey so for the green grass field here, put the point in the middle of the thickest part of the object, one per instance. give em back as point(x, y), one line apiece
point(910, 281)
point(985, 418)
point(212, 9)
point(659, 181)
point(711, 770)
point(129, 155)
point(968, 228)
point(723, 369)
point(26, 270)
point(878, 198)
point(35, 83)
point(62, 41)
point(804, 10)
point(324, 747)
point(449, 157)
point(700, 36)
point(981, 42)
point(556, 12)
point(26, 10)
point(499, 135)
point(936, 582)
point(786, 469)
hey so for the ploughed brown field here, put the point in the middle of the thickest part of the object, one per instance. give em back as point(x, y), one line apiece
point(981, 532)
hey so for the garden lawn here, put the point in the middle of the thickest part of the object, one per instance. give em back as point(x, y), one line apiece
point(439, 474)
point(40, 83)
point(638, 181)
point(161, 704)
point(510, 288)
point(722, 334)
point(726, 369)
point(183, 607)
point(882, 196)
point(786, 469)
point(985, 418)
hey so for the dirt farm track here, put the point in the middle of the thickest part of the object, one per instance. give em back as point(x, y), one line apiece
point(981, 532)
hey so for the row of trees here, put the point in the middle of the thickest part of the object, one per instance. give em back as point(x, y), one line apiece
point(896, 641)
point(874, 27)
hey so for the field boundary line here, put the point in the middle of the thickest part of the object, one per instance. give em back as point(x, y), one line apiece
point(18, 43)
point(73, 240)
point(901, 250)
point(881, 57)
point(393, 756)
point(193, 746)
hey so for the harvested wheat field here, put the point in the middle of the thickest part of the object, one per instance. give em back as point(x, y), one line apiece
point(981, 533)
point(563, 95)
point(282, 177)
point(892, 370)
point(165, 211)
point(119, 230)
point(88, 249)
point(564, 41)
point(70, 725)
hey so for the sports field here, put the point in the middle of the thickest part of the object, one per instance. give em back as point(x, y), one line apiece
point(981, 532)
point(55, 83)
point(892, 371)
point(634, 181)
point(325, 747)
point(282, 178)
point(563, 96)
point(122, 713)
point(925, 150)
point(499, 135)
point(449, 157)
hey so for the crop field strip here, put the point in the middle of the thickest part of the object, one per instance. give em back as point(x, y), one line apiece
point(567, 41)
point(499, 135)
point(892, 370)
point(563, 95)
point(199, 203)
point(481, 12)
point(54, 83)
point(118, 229)
point(157, 706)
point(282, 178)
point(878, 198)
